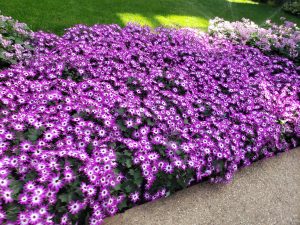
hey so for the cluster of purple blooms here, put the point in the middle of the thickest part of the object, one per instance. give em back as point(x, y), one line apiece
point(14, 41)
point(65, 112)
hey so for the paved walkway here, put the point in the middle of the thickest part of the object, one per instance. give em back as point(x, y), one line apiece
point(266, 193)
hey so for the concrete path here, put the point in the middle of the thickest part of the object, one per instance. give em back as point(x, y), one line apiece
point(266, 193)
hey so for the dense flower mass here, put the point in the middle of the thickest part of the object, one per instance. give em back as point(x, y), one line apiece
point(104, 118)
point(283, 39)
point(14, 41)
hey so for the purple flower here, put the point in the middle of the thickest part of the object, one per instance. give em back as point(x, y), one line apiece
point(7, 196)
point(134, 197)
point(75, 207)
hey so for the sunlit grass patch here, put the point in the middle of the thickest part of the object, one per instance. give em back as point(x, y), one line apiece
point(243, 1)
point(193, 21)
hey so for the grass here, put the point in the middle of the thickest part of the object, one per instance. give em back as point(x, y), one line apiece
point(56, 15)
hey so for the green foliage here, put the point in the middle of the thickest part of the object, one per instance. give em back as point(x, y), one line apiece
point(12, 211)
point(73, 74)
point(133, 181)
point(292, 6)
point(70, 192)
point(16, 186)
point(178, 180)
point(55, 17)
point(33, 134)
point(277, 2)
point(31, 176)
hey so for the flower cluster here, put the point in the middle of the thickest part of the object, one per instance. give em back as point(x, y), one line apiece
point(105, 117)
point(14, 41)
point(282, 39)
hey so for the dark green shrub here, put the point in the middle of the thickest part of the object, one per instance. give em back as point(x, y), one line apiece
point(292, 7)
point(277, 2)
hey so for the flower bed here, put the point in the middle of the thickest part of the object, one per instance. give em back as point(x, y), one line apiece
point(14, 41)
point(104, 118)
point(271, 38)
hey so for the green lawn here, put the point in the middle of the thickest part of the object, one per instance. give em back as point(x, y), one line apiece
point(56, 15)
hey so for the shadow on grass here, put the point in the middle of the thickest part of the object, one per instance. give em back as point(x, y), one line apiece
point(56, 15)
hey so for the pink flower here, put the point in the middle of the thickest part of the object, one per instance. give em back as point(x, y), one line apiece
point(74, 207)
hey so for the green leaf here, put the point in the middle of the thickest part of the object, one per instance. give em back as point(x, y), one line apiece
point(122, 126)
point(32, 137)
point(61, 209)
point(65, 197)
point(137, 174)
point(117, 187)
point(186, 121)
point(131, 172)
point(16, 186)
point(138, 180)
point(162, 152)
point(122, 205)
point(128, 163)
point(127, 153)
point(150, 122)
point(89, 148)
point(75, 184)
point(12, 212)
point(113, 145)
point(30, 176)
point(78, 194)
point(33, 134)
point(117, 171)
point(74, 162)
point(129, 187)
point(121, 111)
point(178, 152)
